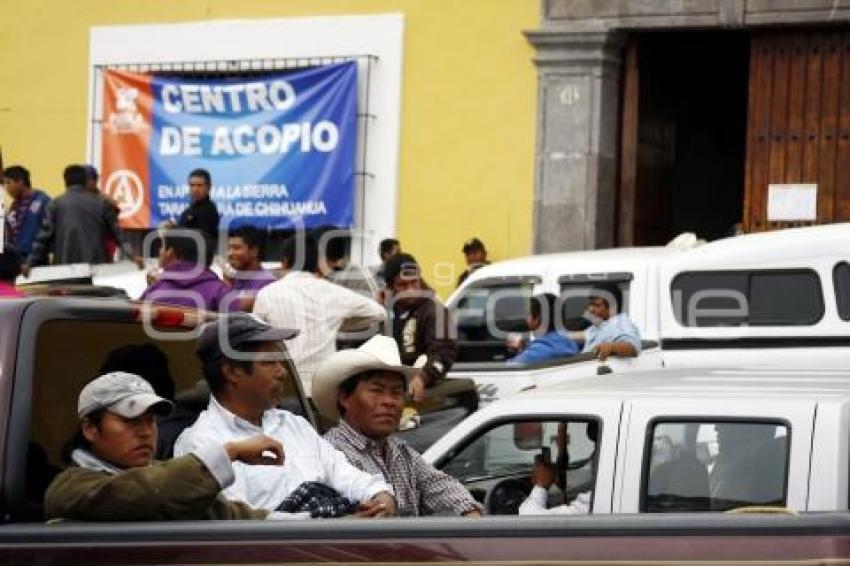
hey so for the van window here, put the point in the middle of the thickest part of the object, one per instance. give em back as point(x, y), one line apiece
point(758, 298)
point(576, 288)
point(841, 281)
point(715, 466)
point(496, 465)
point(486, 313)
point(483, 312)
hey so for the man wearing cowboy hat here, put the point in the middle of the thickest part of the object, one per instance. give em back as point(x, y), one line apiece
point(367, 387)
point(114, 478)
point(243, 365)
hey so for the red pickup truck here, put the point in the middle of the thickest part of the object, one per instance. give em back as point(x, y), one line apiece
point(50, 346)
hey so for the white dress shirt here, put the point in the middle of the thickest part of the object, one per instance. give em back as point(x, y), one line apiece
point(316, 308)
point(307, 457)
point(535, 504)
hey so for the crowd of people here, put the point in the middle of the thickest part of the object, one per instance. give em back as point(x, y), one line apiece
point(244, 456)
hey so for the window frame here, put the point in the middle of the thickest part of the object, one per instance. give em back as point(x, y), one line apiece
point(488, 426)
point(749, 273)
point(649, 437)
point(843, 314)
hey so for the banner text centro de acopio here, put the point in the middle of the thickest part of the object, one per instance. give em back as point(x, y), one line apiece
point(242, 139)
point(281, 148)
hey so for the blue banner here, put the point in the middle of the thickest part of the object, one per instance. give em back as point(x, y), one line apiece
point(281, 148)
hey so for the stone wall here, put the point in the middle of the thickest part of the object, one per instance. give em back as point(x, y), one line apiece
point(579, 57)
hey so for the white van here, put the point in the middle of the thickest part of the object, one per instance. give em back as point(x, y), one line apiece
point(774, 298)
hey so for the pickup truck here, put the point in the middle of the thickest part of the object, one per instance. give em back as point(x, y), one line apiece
point(49, 346)
point(774, 298)
point(671, 440)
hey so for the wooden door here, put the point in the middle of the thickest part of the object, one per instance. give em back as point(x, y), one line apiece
point(798, 123)
point(647, 149)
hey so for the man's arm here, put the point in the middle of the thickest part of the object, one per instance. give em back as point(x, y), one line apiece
point(625, 343)
point(440, 350)
point(355, 308)
point(110, 219)
point(350, 481)
point(44, 240)
point(440, 492)
point(182, 488)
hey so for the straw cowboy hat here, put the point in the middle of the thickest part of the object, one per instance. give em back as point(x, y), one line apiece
point(379, 353)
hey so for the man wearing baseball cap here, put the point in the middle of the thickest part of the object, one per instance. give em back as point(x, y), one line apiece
point(367, 386)
point(114, 478)
point(243, 365)
point(419, 323)
point(476, 257)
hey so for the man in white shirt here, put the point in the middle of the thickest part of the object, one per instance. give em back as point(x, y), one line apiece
point(242, 360)
point(543, 476)
point(303, 299)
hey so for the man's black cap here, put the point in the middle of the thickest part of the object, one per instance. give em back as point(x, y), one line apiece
point(472, 245)
point(234, 331)
point(400, 264)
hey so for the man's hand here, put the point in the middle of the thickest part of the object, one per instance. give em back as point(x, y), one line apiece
point(416, 389)
point(25, 269)
point(621, 349)
point(474, 514)
point(543, 474)
point(604, 350)
point(139, 261)
point(382, 505)
point(258, 449)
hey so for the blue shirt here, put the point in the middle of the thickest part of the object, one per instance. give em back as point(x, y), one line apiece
point(547, 347)
point(618, 328)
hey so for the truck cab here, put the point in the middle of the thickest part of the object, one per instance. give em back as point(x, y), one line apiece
point(680, 440)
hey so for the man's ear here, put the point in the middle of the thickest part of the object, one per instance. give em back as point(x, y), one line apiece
point(231, 373)
point(343, 400)
point(90, 430)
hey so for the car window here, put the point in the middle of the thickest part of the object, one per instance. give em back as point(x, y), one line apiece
point(496, 465)
point(574, 295)
point(739, 298)
point(841, 282)
point(489, 312)
point(715, 466)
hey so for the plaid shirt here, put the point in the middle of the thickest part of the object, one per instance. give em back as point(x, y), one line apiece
point(420, 488)
point(319, 500)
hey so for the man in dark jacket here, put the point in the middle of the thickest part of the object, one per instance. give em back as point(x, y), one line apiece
point(420, 324)
point(185, 279)
point(114, 478)
point(202, 214)
point(27, 211)
point(76, 226)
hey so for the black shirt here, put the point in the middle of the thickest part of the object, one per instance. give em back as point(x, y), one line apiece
point(202, 215)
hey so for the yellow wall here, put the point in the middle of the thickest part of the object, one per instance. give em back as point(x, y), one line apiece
point(468, 106)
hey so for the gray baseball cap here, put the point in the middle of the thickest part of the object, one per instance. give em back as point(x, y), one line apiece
point(234, 331)
point(126, 394)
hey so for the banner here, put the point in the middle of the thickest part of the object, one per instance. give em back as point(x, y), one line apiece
point(281, 148)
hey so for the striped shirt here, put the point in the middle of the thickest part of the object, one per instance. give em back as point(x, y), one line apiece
point(419, 487)
point(316, 308)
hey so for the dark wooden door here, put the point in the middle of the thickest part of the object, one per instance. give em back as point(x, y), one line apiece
point(798, 124)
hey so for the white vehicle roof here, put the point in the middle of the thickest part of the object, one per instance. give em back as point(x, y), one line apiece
point(762, 384)
point(781, 247)
point(578, 262)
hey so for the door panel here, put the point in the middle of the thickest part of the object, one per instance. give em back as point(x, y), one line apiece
point(798, 125)
point(643, 414)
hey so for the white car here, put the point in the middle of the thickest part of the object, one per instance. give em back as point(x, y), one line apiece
point(775, 299)
point(682, 440)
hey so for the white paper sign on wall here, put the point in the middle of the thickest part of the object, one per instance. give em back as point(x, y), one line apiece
point(792, 202)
